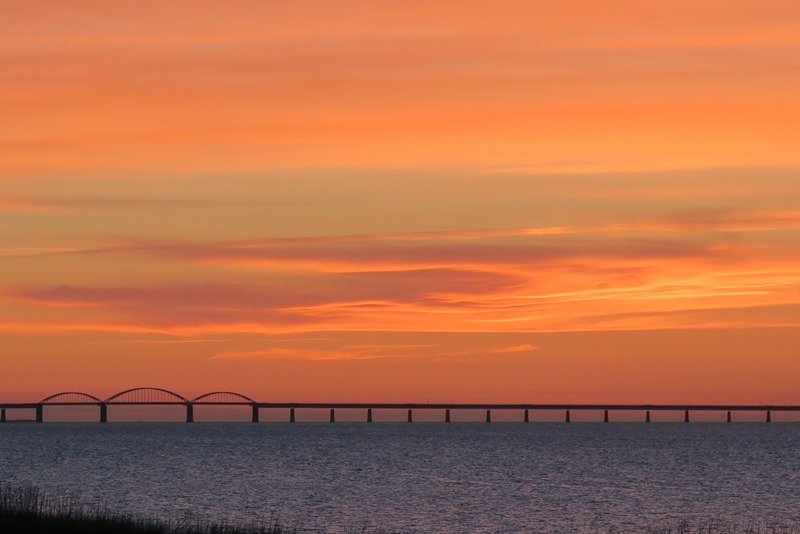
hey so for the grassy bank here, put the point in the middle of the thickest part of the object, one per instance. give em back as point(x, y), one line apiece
point(724, 527)
point(30, 510)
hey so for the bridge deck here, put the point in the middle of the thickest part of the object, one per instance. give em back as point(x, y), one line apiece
point(480, 406)
point(441, 406)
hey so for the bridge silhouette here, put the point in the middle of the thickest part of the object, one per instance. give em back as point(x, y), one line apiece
point(152, 396)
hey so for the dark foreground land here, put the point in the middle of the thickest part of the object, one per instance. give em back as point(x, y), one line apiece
point(29, 510)
point(24, 524)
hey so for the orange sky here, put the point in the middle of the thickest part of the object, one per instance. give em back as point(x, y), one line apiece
point(401, 201)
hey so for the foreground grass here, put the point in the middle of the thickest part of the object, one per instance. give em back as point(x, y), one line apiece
point(723, 527)
point(30, 510)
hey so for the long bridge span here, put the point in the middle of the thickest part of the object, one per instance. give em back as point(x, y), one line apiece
point(152, 396)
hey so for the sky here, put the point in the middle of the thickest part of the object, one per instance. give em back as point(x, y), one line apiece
point(388, 201)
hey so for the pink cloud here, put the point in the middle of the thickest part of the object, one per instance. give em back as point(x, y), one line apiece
point(28, 204)
point(700, 236)
point(500, 280)
point(514, 348)
point(369, 352)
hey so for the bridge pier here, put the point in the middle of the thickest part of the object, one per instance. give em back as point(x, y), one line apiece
point(2, 415)
point(156, 396)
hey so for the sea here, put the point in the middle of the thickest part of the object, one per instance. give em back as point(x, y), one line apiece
point(420, 477)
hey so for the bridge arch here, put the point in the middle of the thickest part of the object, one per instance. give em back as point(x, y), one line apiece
point(147, 396)
point(223, 397)
point(71, 397)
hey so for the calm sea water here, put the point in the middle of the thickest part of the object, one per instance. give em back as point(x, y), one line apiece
point(421, 477)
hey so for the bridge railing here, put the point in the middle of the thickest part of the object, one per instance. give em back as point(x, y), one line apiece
point(148, 396)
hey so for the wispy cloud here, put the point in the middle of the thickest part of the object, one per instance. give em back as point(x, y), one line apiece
point(628, 275)
point(396, 92)
point(347, 352)
point(371, 352)
point(525, 347)
point(683, 234)
point(16, 203)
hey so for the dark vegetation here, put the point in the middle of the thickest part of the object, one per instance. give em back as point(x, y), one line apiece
point(718, 526)
point(30, 510)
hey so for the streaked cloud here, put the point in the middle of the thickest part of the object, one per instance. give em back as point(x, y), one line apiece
point(372, 352)
point(514, 348)
point(649, 273)
point(347, 352)
point(435, 85)
point(27, 204)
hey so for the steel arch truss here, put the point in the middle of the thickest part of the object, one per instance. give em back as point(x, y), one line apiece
point(147, 396)
point(71, 398)
point(223, 397)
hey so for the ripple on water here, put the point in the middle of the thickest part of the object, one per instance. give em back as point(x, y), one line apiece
point(426, 477)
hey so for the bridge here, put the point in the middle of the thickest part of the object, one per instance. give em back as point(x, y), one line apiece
point(153, 396)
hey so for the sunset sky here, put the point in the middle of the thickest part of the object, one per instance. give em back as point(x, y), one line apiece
point(504, 201)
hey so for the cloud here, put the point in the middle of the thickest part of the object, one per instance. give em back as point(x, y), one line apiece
point(16, 203)
point(403, 85)
point(290, 291)
point(281, 353)
point(472, 251)
point(344, 353)
point(301, 301)
point(370, 352)
point(698, 234)
point(628, 275)
point(525, 347)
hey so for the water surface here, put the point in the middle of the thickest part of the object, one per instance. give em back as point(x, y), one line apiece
point(421, 477)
